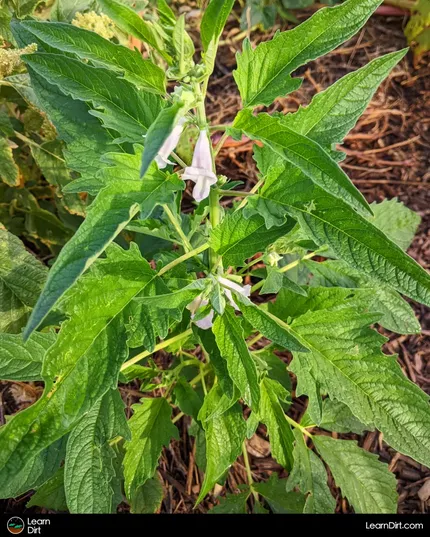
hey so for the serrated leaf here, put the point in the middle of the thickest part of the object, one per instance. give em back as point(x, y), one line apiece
point(346, 360)
point(224, 436)
point(151, 429)
point(397, 314)
point(176, 299)
point(51, 494)
point(89, 469)
point(231, 504)
point(23, 361)
point(123, 196)
point(237, 238)
point(330, 221)
point(147, 498)
point(91, 46)
point(272, 415)
point(264, 73)
point(85, 360)
point(303, 154)
point(310, 476)
point(126, 109)
point(21, 279)
point(241, 367)
point(337, 417)
point(9, 171)
point(131, 23)
point(274, 491)
point(367, 483)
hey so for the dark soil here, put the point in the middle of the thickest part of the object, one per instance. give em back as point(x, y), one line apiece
point(388, 156)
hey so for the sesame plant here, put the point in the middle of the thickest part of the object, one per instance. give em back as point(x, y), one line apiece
point(147, 270)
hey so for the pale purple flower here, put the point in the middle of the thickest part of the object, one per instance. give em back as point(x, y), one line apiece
point(230, 286)
point(201, 170)
point(162, 158)
point(193, 306)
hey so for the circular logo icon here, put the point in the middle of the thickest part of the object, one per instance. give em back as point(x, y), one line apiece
point(15, 525)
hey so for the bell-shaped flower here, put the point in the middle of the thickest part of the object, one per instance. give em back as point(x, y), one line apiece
point(201, 170)
point(230, 286)
point(196, 304)
point(162, 157)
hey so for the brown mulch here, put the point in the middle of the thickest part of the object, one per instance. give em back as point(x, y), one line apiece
point(388, 156)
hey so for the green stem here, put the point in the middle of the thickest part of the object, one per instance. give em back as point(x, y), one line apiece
point(178, 417)
point(248, 471)
point(183, 258)
point(29, 141)
point(179, 160)
point(250, 264)
point(220, 144)
point(185, 242)
point(234, 193)
point(158, 347)
point(403, 4)
point(298, 426)
point(252, 191)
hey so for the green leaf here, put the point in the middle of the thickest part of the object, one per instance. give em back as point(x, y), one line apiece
point(183, 45)
point(337, 417)
point(126, 109)
point(272, 415)
point(213, 21)
point(91, 46)
point(310, 476)
point(65, 10)
point(396, 220)
point(366, 482)
point(302, 153)
point(334, 112)
point(187, 399)
point(23, 361)
point(397, 314)
point(224, 436)
point(167, 16)
point(147, 498)
point(232, 504)
point(237, 238)
point(264, 73)
point(151, 429)
point(346, 360)
point(276, 368)
point(85, 360)
point(51, 494)
point(241, 367)
point(270, 326)
point(89, 470)
point(274, 491)
point(131, 23)
point(21, 279)
point(177, 299)
point(124, 195)
point(9, 171)
point(329, 221)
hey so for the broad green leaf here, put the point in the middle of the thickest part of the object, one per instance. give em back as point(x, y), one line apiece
point(65, 10)
point(397, 314)
point(33, 475)
point(274, 491)
point(51, 495)
point(310, 476)
point(272, 415)
point(330, 221)
point(276, 368)
point(126, 109)
point(85, 137)
point(334, 112)
point(302, 153)
point(264, 73)
point(346, 360)
point(89, 470)
point(85, 360)
point(213, 21)
point(176, 299)
point(237, 238)
point(151, 429)
point(270, 326)
point(91, 46)
point(21, 279)
point(276, 279)
point(147, 498)
point(224, 436)
point(9, 171)
point(365, 481)
point(231, 504)
point(229, 338)
point(396, 220)
point(187, 399)
point(131, 23)
point(23, 361)
point(215, 404)
point(124, 195)
point(337, 417)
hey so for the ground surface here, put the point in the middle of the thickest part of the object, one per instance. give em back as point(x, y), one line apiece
point(388, 156)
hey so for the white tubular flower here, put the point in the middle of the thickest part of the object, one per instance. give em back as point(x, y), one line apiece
point(162, 158)
point(206, 322)
point(201, 169)
point(232, 286)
